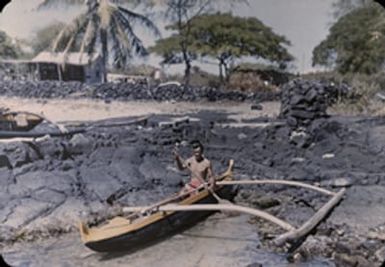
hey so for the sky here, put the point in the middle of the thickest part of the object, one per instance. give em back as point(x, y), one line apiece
point(304, 22)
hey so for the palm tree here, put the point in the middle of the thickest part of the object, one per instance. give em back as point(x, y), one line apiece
point(107, 28)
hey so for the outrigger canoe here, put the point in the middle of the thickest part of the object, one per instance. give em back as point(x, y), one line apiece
point(125, 233)
point(148, 224)
point(22, 124)
point(19, 121)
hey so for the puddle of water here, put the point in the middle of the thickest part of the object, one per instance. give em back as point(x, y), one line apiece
point(218, 241)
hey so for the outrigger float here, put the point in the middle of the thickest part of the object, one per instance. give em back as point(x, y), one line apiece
point(143, 225)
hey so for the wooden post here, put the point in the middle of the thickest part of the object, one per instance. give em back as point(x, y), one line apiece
point(38, 76)
point(307, 227)
point(59, 71)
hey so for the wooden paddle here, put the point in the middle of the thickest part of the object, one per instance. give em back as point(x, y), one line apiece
point(165, 201)
point(224, 202)
point(182, 195)
point(113, 197)
point(218, 198)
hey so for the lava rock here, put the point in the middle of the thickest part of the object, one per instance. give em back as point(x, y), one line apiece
point(303, 101)
point(126, 91)
point(266, 202)
point(79, 144)
point(4, 162)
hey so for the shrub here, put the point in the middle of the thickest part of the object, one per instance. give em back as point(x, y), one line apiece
point(362, 99)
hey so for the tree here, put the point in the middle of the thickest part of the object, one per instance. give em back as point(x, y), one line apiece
point(43, 38)
point(343, 7)
point(8, 50)
point(355, 43)
point(225, 37)
point(107, 28)
point(381, 2)
point(181, 13)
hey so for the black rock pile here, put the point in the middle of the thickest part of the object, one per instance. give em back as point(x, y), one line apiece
point(125, 91)
point(303, 101)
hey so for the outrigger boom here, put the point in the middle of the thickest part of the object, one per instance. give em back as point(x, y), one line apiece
point(216, 207)
point(293, 234)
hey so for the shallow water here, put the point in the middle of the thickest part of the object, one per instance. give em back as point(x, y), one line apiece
point(218, 241)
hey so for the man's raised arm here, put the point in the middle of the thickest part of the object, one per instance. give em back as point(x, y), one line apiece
point(179, 160)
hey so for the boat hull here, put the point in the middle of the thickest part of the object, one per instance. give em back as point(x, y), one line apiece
point(167, 226)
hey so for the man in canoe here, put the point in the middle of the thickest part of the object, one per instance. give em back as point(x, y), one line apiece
point(199, 166)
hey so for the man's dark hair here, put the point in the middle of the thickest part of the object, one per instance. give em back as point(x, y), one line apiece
point(196, 144)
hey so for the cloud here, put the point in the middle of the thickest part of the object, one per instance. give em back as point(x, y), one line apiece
point(20, 19)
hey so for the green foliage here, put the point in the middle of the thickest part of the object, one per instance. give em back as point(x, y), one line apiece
point(8, 50)
point(343, 7)
point(198, 78)
point(43, 38)
point(181, 13)
point(355, 42)
point(169, 48)
point(224, 37)
point(249, 82)
point(362, 99)
point(259, 76)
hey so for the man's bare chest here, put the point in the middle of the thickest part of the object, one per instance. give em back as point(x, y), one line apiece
point(199, 167)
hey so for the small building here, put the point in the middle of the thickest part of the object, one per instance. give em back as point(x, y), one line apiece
point(70, 67)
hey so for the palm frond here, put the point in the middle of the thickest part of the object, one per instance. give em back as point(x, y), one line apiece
point(119, 54)
point(73, 29)
point(136, 17)
point(126, 30)
point(90, 36)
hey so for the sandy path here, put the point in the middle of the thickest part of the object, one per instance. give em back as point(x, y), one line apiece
point(87, 110)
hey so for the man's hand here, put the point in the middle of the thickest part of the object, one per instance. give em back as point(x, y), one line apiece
point(212, 185)
point(212, 182)
point(206, 186)
point(175, 152)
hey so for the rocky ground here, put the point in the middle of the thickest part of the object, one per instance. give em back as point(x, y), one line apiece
point(49, 183)
point(126, 91)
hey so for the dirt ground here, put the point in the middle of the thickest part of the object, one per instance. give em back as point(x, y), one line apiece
point(88, 110)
